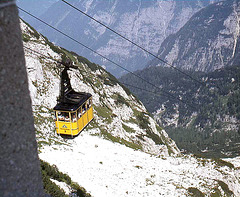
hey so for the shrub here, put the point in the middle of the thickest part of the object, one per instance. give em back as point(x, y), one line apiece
point(195, 192)
point(51, 188)
point(225, 188)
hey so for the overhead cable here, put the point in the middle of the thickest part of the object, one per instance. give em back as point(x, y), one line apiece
point(42, 54)
point(123, 83)
point(137, 45)
point(169, 95)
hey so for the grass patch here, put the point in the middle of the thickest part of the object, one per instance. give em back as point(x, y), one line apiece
point(104, 112)
point(221, 162)
point(216, 193)
point(34, 33)
point(41, 143)
point(195, 192)
point(51, 188)
point(121, 141)
point(128, 129)
point(25, 37)
point(128, 92)
point(144, 124)
point(225, 188)
point(84, 60)
point(143, 120)
point(121, 100)
point(156, 138)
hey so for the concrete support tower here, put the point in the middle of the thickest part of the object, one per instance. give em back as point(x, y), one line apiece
point(19, 164)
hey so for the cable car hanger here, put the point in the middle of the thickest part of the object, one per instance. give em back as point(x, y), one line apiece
point(74, 110)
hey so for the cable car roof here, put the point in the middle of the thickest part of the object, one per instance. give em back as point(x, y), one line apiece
point(78, 98)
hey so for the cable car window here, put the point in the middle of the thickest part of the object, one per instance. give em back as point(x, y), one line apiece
point(61, 116)
point(90, 102)
point(79, 112)
point(83, 108)
point(67, 118)
point(74, 118)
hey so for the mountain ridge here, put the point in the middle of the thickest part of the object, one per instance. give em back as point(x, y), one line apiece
point(145, 23)
point(208, 41)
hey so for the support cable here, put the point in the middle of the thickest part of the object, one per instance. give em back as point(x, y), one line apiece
point(137, 45)
point(159, 94)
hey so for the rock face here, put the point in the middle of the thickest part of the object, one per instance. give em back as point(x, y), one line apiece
point(20, 169)
point(208, 41)
point(119, 116)
point(146, 23)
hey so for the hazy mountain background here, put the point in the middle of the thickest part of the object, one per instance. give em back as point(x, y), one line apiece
point(35, 7)
point(208, 41)
point(209, 122)
point(147, 23)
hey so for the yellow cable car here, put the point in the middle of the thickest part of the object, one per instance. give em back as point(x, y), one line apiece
point(74, 110)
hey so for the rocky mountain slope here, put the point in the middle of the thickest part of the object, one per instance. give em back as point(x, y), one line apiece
point(119, 116)
point(208, 41)
point(147, 23)
point(108, 169)
point(111, 156)
point(207, 121)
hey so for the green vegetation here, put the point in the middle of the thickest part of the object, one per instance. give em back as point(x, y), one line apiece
point(143, 120)
point(84, 60)
point(120, 100)
point(221, 162)
point(203, 126)
point(225, 188)
point(195, 192)
point(119, 140)
point(216, 192)
point(25, 37)
point(52, 172)
point(34, 33)
point(128, 91)
point(104, 112)
point(128, 129)
point(154, 137)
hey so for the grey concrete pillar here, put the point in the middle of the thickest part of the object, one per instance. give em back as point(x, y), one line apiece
point(19, 164)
